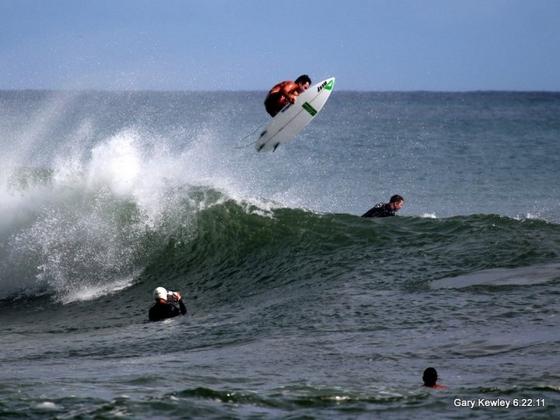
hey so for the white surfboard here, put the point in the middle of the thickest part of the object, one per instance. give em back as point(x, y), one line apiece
point(293, 118)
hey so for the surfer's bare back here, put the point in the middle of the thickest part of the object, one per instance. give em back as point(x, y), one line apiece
point(285, 93)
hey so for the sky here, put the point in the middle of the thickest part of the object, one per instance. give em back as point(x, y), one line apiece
point(368, 45)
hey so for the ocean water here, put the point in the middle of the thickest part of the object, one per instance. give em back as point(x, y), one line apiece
point(297, 307)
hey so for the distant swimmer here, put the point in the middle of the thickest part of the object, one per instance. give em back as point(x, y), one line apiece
point(164, 307)
point(430, 379)
point(386, 209)
point(285, 93)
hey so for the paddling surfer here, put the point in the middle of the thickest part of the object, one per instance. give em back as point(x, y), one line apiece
point(386, 209)
point(164, 307)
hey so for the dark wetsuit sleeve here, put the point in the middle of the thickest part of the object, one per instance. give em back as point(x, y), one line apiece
point(371, 212)
point(380, 210)
point(159, 312)
point(182, 307)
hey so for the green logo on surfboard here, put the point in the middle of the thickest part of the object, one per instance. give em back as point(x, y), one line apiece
point(325, 85)
point(307, 106)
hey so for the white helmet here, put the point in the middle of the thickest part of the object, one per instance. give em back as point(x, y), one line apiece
point(160, 293)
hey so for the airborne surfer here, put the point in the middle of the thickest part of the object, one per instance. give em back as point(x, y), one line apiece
point(164, 307)
point(285, 93)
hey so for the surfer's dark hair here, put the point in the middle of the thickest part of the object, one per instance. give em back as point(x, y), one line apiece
point(396, 198)
point(430, 377)
point(304, 78)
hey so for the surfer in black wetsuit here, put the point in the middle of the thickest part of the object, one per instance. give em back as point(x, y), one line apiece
point(386, 209)
point(285, 93)
point(164, 308)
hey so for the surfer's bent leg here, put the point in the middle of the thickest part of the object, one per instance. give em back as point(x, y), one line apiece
point(273, 104)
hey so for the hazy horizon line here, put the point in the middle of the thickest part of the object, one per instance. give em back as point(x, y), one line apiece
point(93, 90)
